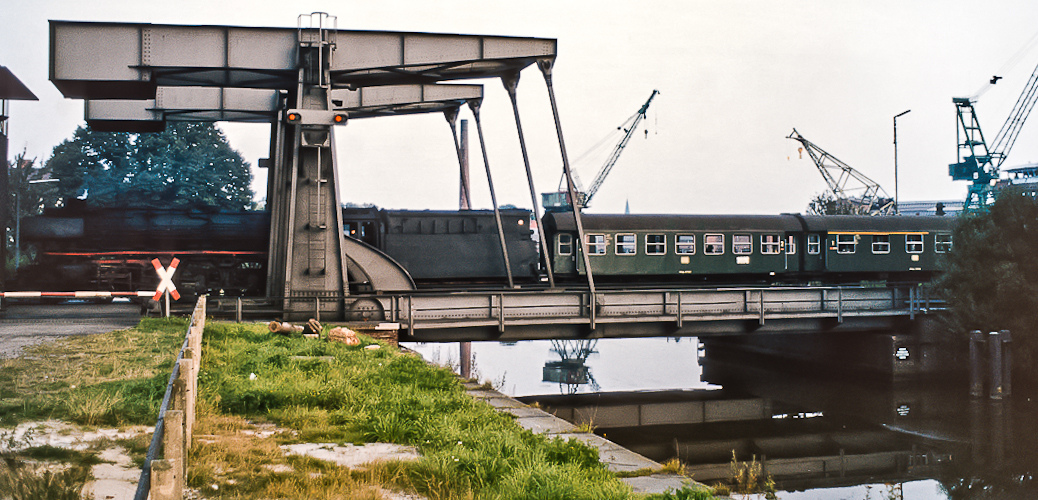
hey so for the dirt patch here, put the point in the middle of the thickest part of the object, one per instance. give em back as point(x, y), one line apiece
point(354, 457)
point(115, 479)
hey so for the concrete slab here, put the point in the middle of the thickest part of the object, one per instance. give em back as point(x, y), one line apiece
point(656, 483)
point(525, 412)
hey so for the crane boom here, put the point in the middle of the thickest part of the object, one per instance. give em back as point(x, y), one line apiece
point(979, 163)
point(560, 200)
point(868, 198)
point(634, 120)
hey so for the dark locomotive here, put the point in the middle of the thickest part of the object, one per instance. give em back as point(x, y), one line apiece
point(226, 253)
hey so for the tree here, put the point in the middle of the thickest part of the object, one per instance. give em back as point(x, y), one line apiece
point(827, 204)
point(30, 190)
point(991, 275)
point(189, 165)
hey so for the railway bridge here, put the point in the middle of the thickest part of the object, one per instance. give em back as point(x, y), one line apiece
point(471, 315)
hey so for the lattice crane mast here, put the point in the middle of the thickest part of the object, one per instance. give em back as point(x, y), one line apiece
point(860, 194)
point(978, 162)
point(558, 200)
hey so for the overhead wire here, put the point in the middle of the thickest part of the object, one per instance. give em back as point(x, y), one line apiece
point(1008, 66)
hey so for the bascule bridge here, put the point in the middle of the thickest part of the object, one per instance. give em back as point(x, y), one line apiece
point(304, 82)
point(307, 81)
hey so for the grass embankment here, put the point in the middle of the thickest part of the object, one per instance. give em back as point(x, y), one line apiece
point(312, 392)
point(361, 395)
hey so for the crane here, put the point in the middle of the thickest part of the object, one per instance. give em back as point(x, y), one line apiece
point(865, 198)
point(979, 162)
point(558, 201)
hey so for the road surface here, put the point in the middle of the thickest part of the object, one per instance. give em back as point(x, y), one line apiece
point(27, 324)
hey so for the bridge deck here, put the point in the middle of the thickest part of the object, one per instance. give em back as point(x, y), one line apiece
point(544, 314)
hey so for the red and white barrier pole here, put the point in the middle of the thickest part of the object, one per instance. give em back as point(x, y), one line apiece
point(29, 295)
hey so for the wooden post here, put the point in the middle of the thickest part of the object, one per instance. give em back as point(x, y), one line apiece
point(186, 369)
point(976, 376)
point(177, 395)
point(995, 365)
point(173, 449)
point(192, 378)
point(1007, 363)
point(163, 481)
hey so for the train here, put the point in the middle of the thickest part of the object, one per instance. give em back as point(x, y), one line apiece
point(225, 253)
point(791, 248)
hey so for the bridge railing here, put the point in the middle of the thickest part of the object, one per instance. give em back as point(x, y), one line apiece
point(508, 308)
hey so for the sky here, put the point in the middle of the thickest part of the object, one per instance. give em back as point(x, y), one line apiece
point(735, 78)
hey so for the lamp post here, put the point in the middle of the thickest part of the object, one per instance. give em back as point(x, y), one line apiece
point(18, 222)
point(897, 209)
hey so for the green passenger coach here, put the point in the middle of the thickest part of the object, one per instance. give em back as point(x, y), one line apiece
point(748, 247)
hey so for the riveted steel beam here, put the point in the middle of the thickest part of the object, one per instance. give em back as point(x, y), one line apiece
point(262, 105)
point(131, 60)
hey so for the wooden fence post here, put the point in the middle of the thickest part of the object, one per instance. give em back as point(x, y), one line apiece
point(163, 482)
point(186, 369)
point(173, 449)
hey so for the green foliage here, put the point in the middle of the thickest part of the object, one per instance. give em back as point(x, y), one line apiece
point(991, 276)
point(685, 493)
point(187, 165)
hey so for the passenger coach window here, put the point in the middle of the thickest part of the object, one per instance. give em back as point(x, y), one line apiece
point(565, 244)
point(625, 244)
point(686, 244)
point(655, 244)
point(769, 243)
point(881, 243)
point(596, 244)
point(814, 244)
point(713, 244)
point(846, 243)
point(742, 244)
point(914, 243)
point(942, 242)
point(791, 245)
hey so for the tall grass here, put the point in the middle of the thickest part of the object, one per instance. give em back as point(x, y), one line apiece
point(468, 449)
point(114, 378)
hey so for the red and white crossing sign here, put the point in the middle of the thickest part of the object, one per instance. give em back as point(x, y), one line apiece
point(166, 275)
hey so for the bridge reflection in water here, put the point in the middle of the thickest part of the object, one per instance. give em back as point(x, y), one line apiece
point(817, 430)
point(813, 427)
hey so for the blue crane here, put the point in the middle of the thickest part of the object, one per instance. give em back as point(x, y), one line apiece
point(980, 162)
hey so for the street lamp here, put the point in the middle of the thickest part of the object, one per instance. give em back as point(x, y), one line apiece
point(897, 210)
point(18, 222)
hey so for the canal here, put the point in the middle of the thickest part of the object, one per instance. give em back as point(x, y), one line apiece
point(820, 434)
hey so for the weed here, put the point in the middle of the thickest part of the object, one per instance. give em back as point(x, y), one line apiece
point(747, 478)
point(22, 482)
point(687, 492)
point(674, 466)
point(587, 427)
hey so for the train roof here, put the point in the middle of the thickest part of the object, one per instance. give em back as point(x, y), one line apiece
point(563, 221)
point(881, 223)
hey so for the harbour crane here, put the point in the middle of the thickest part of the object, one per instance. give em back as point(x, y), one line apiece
point(854, 191)
point(559, 200)
point(979, 162)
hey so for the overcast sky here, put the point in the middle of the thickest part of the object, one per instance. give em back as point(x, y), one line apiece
point(735, 78)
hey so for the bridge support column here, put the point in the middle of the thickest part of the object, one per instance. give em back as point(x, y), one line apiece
point(308, 227)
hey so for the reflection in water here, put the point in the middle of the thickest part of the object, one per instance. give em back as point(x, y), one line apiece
point(571, 372)
point(821, 436)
